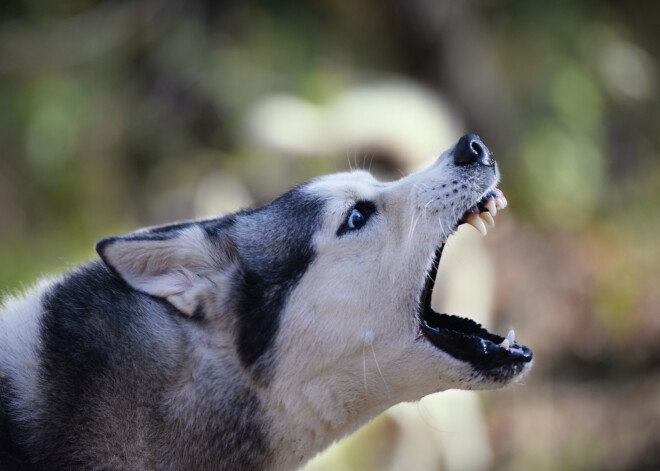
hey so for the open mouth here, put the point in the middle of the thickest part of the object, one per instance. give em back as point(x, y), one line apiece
point(461, 337)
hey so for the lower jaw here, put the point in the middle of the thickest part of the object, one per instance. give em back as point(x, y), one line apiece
point(467, 341)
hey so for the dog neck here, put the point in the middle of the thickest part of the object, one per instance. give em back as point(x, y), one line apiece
point(308, 416)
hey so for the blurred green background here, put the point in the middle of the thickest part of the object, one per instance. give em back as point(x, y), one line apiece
point(120, 114)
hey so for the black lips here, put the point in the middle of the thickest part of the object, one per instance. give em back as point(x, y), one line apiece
point(464, 339)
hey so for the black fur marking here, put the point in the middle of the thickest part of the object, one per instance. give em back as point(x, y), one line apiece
point(168, 229)
point(111, 357)
point(11, 457)
point(275, 247)
point(90, 344)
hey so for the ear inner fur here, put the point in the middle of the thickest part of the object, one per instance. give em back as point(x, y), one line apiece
point(178, 266)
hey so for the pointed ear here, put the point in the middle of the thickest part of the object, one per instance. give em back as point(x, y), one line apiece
point(178, 265)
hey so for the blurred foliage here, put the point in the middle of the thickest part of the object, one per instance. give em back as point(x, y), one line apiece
point(116, 113)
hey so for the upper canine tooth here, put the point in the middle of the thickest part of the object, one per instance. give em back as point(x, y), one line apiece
point(476, 222)
point(505, 344)
point(511, 337)
point(491, 207)
point(488, 218)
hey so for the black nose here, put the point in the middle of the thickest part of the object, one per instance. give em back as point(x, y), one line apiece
point(469, 149)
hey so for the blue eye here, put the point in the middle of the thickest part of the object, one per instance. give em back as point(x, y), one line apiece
point(357, 217)
point(355, 220)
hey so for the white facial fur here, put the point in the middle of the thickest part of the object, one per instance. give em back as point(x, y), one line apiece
point(349, 345)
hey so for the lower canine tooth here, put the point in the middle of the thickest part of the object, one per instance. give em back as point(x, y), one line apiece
point(511, 337)
point(476, 222)
point(490, 206)
point(488, 218)
point(505, 344)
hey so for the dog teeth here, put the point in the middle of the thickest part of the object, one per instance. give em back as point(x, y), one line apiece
point(509, 340)
point(486, 216)
point(475, 221)
point(500, 201)
point(485, 211)
point(491, 207)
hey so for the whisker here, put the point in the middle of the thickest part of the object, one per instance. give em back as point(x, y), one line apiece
point(379, 371)
point(413, 225)
point(416, 220)
point(364, 366)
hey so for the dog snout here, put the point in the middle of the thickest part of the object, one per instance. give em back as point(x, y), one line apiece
point(469, 149)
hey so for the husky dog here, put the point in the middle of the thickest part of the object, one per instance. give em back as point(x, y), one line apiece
point(239, 343)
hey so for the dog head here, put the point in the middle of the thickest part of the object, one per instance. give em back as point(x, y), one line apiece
point(326, 290)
